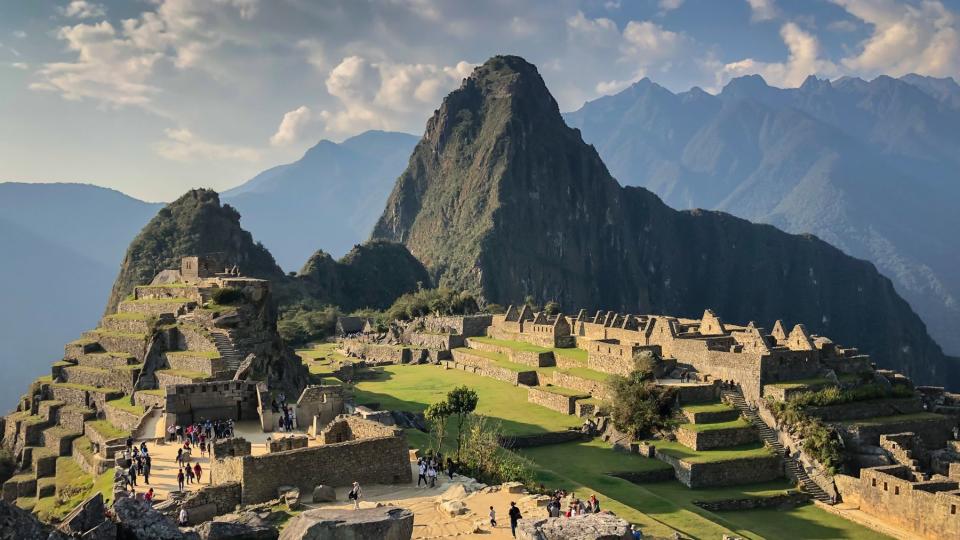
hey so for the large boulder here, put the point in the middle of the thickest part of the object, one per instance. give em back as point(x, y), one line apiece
point(224, 530)
point(602, 526)
point(18, 524)
point(383, 523)
point(324, 494)
point(139, 521)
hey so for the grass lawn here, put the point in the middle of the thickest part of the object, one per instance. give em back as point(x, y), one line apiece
point(675, 449)
point(106, 429)
point(413, 388)
point(738, 423)
point(561, 391)
point(708, 408)
point(73, 487)
point(193, 354)
point(799, 383)
point(665, 506)
point(124, 405)
point(500, 360)
point(195, 375)
point(573, 353)
point(515, 345)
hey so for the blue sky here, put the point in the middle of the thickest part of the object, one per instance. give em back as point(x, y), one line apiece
point(154, 97)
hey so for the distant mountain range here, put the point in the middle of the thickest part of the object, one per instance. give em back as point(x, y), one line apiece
point(329, 199)
point(871, 167)
point(503, 198)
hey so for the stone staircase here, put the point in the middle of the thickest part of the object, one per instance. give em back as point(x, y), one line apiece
point(769, 436)
point(232, 358)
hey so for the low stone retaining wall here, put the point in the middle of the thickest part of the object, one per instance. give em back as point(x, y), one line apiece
point(754, 503)
point(594, 388)
point(127, 326)
point(59, 439)
point(541, 439)
point(165, 378)
point(867, 409)
point(95, 398)
point(121, 418)
point(933, 431)
point(149, 400)
point(185, 361)
point(714, 438)
point(530, 358)
point(698, 393)
point(724, 473)
point(121, 379)
point(557, 402)
point(710, 417)
point(528, 378)
point(426, 340)
point(72, 418)
point(135, 345)
point(210, 501)
point(376, 352)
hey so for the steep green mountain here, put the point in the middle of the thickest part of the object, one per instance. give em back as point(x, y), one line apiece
point(329, 198)
point(194, 224)
point(502, 198)
point(869, 166)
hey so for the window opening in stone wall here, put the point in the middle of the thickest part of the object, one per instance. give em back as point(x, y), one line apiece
point(873, 482)
point(896, 490)
point(953, 509)
point(885, 486)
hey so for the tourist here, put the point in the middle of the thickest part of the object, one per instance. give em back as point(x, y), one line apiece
point(635, 531)
point(198, 471)
point(190, 476)
point(493, 517)
point(594, 504)
point(129, 442)
point(515, 516)
point(179, 431)
point(355, 494)
point(203, 448)
point(180, 477)
point(179, 457)
point(171, 433)
point(143, 447)
point(422, 467)
point(183, 516)
point(132, 471)
point(450, 468)
point(146, 470)
point(148, 496)
point(432, 475)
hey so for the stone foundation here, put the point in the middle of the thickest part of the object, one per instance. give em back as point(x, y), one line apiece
point(554, 401)
point(724, 473)
point(714, 438)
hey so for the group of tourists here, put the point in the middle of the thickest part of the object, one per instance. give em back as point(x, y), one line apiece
point(188, 474)
point(139, 463)
point(432, 466)
point(288, 421)
point(575, 507)
point(201, 433)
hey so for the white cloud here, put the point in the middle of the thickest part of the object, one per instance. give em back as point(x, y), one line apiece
point(907, 37)
point(669, 5)
point(842, 26)
point(81, 9)
point(803, 60)
point(599, 32)
point(182, 145)
point(20, 34)
point(763, 10)
point(292, 126)
point(386, 95)
point(20, 65)
point(649, 41)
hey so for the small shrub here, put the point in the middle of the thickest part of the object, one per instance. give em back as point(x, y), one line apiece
point(639, 406)
point(227, 296)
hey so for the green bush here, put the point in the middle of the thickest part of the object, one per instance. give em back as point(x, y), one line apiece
point(441, 301)
point(227, 296)
point(819, 440)
point(833, 395)
point(639, 406)
point(302, 323)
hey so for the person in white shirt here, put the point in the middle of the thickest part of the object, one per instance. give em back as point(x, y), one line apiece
point(183, 516)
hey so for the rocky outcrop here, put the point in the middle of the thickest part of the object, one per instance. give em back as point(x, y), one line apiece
point(383, 523)
point(222, 530)
point(502, 198)
point(17, 524)
point(137, 520)
point(586, 527)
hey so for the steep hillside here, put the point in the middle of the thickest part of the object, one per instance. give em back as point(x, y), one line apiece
point(194, 224)
point(870, 167)
point(501, 197)
point(330, 198)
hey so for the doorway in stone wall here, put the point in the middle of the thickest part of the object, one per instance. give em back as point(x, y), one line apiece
point(239, 409)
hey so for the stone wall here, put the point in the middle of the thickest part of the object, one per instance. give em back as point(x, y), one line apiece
point(212, 500)
point(191, 338)
point(382, 460)
point(541, 439)
point(933, 431)
point(120, 378)
point(927, 509)
point(483, 366)
point(596, 389)
point(867, 409)
point(714, 438)
point(697, 393)
point(82, 396)
point(122, 419)
point(187, 361)
point(290, 442)
point(324, 402)
point(787, 500)
point(149, 400)
point(529, 358)
point(724, 473)
point(376, 352)
point(609, 356)
point(710, 417)
point(188, 403)
point(466, 326)
point(435, 341)
point(554, 401)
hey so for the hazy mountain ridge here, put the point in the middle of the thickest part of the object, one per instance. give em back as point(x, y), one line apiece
point(502, 198)
point(867, 166)
point(330, 198)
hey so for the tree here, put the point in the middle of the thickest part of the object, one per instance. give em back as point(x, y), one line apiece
point(438, 413)
point(552, 308)
point(532, 302)
point(639, 405)
point(463, 401)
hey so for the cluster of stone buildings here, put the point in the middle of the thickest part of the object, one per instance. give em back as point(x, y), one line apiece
point(563, 361)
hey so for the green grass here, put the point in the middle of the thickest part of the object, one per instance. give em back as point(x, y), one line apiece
point(61, 363)
point(573, 353)
point(174, 300)
point(103, 332)
point(130, 316)
point(561, 391)
point(413, 388)
point(85, 387)
point(84, 446)
point(124, 405)
point(663, 507)
point(801, 383)
point(887, 420)
point(677, 450)
point(107, 430)
point(73, 487)
point(184, 373)
point(500, 360)
point(738, 423)
point(154, 392)
point(708, 408)
point(585, 373)
point(44, 379)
